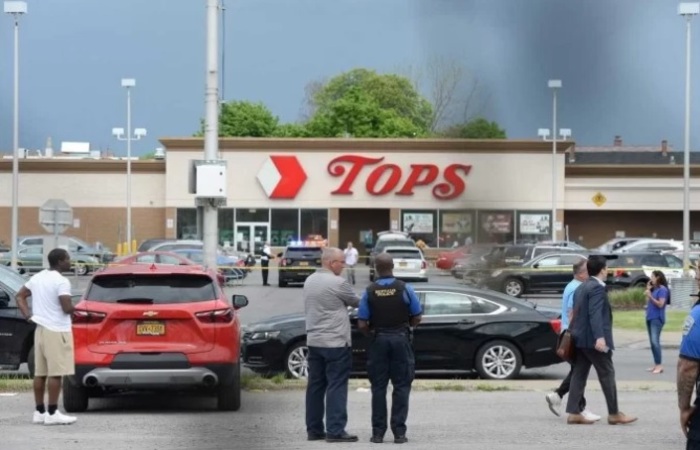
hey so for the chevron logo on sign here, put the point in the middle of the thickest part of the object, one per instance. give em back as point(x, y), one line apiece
point(281, 177)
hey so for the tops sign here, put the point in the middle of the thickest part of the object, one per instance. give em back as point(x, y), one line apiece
point(386, 178)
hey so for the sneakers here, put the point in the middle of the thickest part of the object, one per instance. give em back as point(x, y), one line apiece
point(588, 415)
point(39, 418)
point(554, 402)
point(58, 418)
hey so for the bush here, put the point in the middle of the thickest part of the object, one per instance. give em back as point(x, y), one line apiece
point(632, 298)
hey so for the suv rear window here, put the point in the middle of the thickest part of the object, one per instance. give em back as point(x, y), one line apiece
point(303, 253)
point(404, 253)
point(395, 243)
point(151, 289)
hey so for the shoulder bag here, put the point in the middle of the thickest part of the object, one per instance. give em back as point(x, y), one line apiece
point(566, 349)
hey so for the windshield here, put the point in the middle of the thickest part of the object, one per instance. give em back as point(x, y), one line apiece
point(11, 279)
point(404, 253)
point(161, 289)
point(312, 252)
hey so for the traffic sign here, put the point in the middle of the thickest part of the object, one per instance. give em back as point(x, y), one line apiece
point(55, 215)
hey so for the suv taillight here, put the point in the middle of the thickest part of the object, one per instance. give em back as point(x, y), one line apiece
point(556, 325)
point(87, 317)
point(621, 273)
point(216, 316)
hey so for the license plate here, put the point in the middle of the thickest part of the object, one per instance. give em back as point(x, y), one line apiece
point(403, 264)
point(303, 263)
point(150, 328)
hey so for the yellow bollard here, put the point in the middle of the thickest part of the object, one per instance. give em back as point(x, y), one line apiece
point(134, 245)
point(119, 249)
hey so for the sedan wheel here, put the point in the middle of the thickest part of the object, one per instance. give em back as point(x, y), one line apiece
point(513, 287)
point(81, 269)
point(297, 361)
point(498, 360)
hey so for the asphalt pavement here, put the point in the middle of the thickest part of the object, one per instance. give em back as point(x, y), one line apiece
point(274, 420)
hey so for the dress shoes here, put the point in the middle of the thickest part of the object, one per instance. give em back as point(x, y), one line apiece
point(316, 436)
point(578, 419)
point(400, 439)
point(620, 419)
point(376, 439)
point(345, 437)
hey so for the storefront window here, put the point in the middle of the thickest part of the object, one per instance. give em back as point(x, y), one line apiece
point(186, 223)
point(495, 227)
point(226, 226)
point(421, 225)
point(252, 215)
point(534, 226)
point(314, 222)
point(284, 226)
point(456, 228)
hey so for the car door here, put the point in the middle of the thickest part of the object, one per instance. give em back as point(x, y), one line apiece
point(444, 340)
point(13, 329)
point(675, 267)
point(543, 274)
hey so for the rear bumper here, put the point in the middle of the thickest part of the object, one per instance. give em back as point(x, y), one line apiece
point(149, 378)
point(295, 275)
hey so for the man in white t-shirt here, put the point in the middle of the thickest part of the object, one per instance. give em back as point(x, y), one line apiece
point(53, 337)
point(351, 257)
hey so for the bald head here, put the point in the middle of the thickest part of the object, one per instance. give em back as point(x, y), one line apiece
point(384, 264)
point(332, 259)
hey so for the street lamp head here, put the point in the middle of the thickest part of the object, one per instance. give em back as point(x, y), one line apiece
point(565, 132)
point(128, 82)
point(543, 133)
point(15, 7)
point(140, 132)
point(688, 9)
point(117, 132)
point(554, 84)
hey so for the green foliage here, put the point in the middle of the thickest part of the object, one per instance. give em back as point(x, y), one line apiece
point(363, 103)
point(478, 128)
point(150, 155)
point(633, 298)
point(246, 119)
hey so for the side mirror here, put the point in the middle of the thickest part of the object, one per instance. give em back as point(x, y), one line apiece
point(536, 266)
point(279, 255)
point(4, 300)
point(239, 301)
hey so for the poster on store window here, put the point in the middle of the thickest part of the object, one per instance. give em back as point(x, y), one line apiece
point(496, 223)
point(418, 223)
point(456, 223)
point(534, 223)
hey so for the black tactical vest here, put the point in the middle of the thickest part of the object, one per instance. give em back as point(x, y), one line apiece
point(388, 309)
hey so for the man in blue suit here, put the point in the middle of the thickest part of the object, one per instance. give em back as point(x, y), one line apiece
point(591, 329)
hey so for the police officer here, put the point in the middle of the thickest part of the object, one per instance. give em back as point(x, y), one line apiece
point(688, 376)
point(388, 310)
point(265, 262)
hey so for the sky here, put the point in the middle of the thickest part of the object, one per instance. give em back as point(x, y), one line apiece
point(621, 62)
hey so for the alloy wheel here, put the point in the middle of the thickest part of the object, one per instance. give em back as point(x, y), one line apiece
point(499, 361)
point(298, 362)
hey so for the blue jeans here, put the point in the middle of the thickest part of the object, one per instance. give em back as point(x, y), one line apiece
point(654, 327)
point(329, 370)
point(390, 358)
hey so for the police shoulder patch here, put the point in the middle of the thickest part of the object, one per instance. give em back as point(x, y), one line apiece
point(688, 324)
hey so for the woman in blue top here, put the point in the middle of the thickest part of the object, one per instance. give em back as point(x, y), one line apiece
point(658, 297)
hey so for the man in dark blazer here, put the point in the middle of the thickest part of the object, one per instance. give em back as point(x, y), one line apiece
point(591, 329)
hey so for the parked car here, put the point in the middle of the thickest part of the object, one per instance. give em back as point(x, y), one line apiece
point(31, 260)
point(297, 263)
point(16, 334)
point(165, 258)
point(650, 245)
point(158, 327)
point(409, 263)
point(386, 240)
point(463, 330)
point(75, 246)
point(616, 243)
point(230, 267)
point(446, 260)
point(634, 269)
point(549, 272)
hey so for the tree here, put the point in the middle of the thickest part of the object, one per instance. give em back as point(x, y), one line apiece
point(478, 128)
point(363, 103)
point(245, 119)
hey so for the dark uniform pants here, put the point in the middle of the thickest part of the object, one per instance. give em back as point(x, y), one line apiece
point(390, 358)
point(264, 263)
point(693, 442)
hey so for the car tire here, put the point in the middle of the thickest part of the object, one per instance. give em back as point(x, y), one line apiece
point(31, 365)
point(282, 283)
point(498, 360)
point(296, 361)
point(513, 287)
point(81, 269)
point(640, 284)
point(75, 396)
point(229, 393)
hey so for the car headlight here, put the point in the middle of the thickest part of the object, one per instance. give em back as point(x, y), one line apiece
point(496, 273)
point(264, 335)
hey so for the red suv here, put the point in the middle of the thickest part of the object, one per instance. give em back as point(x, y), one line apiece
point(149, 327)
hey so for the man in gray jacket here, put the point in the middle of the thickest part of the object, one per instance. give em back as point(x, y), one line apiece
point(327, 296)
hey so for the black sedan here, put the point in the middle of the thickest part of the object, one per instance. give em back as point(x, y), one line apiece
point(464, 329)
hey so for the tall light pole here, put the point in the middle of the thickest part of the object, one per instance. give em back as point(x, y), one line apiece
point(16, 9)
point(128, 83)
point(687, 10)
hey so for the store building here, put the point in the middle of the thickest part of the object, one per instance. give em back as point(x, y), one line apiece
point(445, 192)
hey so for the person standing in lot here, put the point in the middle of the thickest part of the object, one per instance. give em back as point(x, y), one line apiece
point(567, 306)
point(351, 257)
point(591, 330)
point(265, 262)
point(53, 338)
point(388, 310)
point(658, 296)
point(327, 297)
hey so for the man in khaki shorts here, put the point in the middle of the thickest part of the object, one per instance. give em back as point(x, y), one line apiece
point(53, 337)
